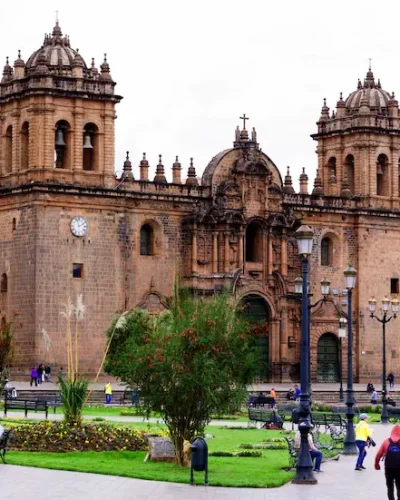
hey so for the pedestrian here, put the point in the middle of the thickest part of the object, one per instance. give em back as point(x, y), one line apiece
point(40, 373)
point(363, 433)
point(290, 395)
point(108, 392)
point(315, 453)
point(389, 451)
point(390, 379)
point(60, 372)
point(135, 396)
point(374, 397)
point(296, 393)
point(47, 373)
point(34, 376)
point(370, 387)
point(273, 398)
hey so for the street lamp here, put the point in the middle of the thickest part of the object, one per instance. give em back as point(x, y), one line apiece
point(384, 320)
point(342, 335)
point(304, 468)
point(350, 448)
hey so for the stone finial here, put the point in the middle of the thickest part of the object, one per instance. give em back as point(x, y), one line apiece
point(324, 112)
point(254, 135)
point(105, 70)
point(41, 66)
point(192, 179)
point(318, 190)
point(364, 105)
point(288, 187)
point(94, 72)
point(303, 182)
point(176, 172)
point(160, 174)
point(19, 62)
point(127, 174)
point(7, 72)
point(144, 168)
point(359, 84)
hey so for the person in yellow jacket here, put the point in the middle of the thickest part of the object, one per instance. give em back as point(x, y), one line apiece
point(363, 433)
point(108, 392)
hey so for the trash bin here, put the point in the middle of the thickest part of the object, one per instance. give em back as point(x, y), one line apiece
point(199, 458)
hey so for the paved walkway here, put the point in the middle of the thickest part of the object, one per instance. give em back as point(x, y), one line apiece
point(338, 481)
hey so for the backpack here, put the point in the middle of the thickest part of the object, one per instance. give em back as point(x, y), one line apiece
point(392, 460)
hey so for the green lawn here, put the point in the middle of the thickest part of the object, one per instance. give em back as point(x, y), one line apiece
point(227, 471)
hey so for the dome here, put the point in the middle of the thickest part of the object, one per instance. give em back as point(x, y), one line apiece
point(368, 94)
point(57, 54)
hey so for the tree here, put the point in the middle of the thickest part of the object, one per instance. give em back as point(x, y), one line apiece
point(6, 353)
point(188, 362)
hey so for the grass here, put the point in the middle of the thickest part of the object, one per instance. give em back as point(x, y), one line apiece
point(225, 471)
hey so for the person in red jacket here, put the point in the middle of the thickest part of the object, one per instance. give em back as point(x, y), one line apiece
point(389, 451)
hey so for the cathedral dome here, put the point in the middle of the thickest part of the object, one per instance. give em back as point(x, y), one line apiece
point(56, 53)
point(368, 94)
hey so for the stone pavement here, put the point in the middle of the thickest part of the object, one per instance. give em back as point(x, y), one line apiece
point(338, 481)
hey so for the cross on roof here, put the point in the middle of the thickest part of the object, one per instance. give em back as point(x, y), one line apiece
point(244, 118)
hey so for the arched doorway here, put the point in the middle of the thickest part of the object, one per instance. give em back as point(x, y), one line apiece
point(328, 358)
point(255, 308)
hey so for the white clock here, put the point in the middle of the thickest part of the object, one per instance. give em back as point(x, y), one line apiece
point(79, 226)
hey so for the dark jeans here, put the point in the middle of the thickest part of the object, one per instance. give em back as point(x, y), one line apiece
point(34, 379)
point(362, 452)
point(318, 458)
point(108, 399)
point(39, 379)
point(392, 476)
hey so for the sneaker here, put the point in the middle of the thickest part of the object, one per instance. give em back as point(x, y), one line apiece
point(362, 467)
point(358, 468)
point(318, 470)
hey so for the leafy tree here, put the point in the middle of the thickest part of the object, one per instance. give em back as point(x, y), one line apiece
point(6, 353)
point(188, 362)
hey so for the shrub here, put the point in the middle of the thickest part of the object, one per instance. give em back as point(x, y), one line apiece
point(253, 454)
point(73, 395)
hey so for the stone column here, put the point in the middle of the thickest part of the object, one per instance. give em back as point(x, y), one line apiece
point(270, 253)
point(226, 252)
point(77, 158)
point(16, 140)
point(284, 267)
point(265, 252)
point(240, 250)
point(215, 252)
point(194, 249)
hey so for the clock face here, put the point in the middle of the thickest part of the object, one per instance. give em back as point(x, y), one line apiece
point(79, 226)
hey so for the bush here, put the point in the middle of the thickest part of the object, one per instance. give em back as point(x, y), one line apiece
point(253, 454)
point(59, 437)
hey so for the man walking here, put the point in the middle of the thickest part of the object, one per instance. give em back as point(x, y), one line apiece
point(108, 392)
point(363, 433)
point(390, 453)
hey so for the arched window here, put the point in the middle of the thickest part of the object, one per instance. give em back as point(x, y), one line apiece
point(382, 175)
point(332, 169)
point(326, 252)
point(62, 145)
point(349, 172)
point(25, 146)
point(254, 243)
point(3, 283)
point(146, 240)
point(90, 146)
point(9, 149)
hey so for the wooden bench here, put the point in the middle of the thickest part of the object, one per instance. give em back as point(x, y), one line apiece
point(293, 455)
point(259, 401)
point(52, 401)
point(26, 405)
point(3, 444)
point(266, 416)
point(337, 437)
point(394, 414)
point(327, 419)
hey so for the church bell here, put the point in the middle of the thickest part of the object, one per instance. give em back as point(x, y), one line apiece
point(87, 144)
point(379, 170)
point(60, 143)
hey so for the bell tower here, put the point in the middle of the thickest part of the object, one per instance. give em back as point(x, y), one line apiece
point(359, 145)
point(57, 117)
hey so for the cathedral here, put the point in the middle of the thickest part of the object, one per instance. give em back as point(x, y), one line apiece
point(69, 227)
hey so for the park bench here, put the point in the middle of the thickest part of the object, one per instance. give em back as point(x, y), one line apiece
point(3, 444)
point(293, 455)
point(285, 410)
point(266, 416)
point(341, 410)
point(337, 437)
point(327, 419)
point(52, 401)
point(26, 405)
point(394, 414)
point(259, 401)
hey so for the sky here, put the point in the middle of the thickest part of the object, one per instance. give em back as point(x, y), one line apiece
point(188, 70)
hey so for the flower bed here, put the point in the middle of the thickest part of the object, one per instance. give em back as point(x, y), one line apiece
point(59, 437)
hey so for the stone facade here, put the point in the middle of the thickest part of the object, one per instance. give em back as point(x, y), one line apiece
point(234, 228)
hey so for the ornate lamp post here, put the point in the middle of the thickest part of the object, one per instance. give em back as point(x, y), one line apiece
point(350, 448)
point(304, 469)
point(342, 335)
point(385, 319)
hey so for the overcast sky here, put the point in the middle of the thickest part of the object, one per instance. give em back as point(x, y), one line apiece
point(188, 70)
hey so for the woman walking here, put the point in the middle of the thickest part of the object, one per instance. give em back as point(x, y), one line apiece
point(363, 433)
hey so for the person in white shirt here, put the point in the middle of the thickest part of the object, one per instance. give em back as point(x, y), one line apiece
point(314, 451)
